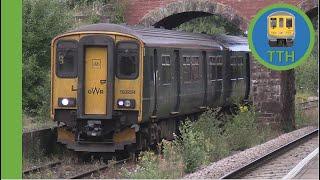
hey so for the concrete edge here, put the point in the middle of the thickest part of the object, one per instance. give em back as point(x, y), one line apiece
point(297, 169)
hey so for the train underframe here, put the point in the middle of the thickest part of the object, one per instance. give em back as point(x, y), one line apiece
point(281, 42)
point(115, 134)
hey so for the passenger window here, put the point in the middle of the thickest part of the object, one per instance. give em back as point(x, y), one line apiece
point(234, 68)
point(195, 68)
point(166, 69)
point(240, 66)
point(273, 22)
point(186, 70)
point(212, 70)
point(289, 23)
point(66, 59)
point(219, 68)
point(280, 22)
point(127, 60)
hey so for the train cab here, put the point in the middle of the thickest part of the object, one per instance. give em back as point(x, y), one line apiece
point(281, 29)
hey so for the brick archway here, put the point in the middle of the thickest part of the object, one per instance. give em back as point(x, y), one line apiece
point(272, 92)
point(178, 12)
point(310, 7)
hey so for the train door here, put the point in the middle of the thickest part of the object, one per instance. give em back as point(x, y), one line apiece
point(177, 79)
point(95, 80)
point(215, 75)
point(247, 75)
point(166, 83)
point(95, 77)
point(205, 77)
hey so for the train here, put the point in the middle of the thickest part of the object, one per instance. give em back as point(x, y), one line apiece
point(281, 29)
point(120, 87)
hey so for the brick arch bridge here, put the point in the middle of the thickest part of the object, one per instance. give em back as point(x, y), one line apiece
point(171, 13)
point(272, 92)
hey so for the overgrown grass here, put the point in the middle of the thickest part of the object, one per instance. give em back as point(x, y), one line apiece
point(242, 131)
point(34, 123)
point(151, 166)
point(307, 117)
point(201, 142)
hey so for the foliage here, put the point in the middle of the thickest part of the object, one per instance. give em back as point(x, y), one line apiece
point(242, 131)
point(307, 76)
point(308, 72)
point(306, 117)
point(42, 20)
point(212, 127)
point(117, 16)
point(73, 3)
point(192, 146)
point(208, 139)
point(210, 25)
point(153, 166)
point(91, 11)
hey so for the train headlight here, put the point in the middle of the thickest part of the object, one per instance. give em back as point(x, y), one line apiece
point(126, 103)
point(67, 102)
point(120, 103)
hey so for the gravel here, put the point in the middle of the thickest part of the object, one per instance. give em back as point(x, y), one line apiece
point(230, 163)
point(281, 166)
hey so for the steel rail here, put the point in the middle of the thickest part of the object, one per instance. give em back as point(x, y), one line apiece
point(39, 168)
point(89, 172)
point(266, 158)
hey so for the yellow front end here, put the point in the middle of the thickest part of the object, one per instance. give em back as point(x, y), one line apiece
point(281, 27)
point(89, 97)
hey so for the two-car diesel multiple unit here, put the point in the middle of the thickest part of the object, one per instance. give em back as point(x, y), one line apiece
point(118, 87)
point(281, 29)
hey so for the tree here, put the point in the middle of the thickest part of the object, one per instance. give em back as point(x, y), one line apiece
point(211, 25)
point(42, 21)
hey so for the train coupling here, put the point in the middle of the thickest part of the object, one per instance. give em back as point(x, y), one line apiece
point(94, 128)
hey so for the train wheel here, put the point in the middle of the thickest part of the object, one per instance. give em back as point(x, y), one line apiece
point(289, 42)
point(281, 43)
point(272, 43)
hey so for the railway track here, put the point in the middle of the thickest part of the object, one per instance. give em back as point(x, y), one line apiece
point(40, 168)
point(93, 171)
point(58, 167)
point(279, 162)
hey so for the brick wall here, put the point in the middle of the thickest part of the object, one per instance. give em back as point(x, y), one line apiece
point(137, 9)
point(265, 91)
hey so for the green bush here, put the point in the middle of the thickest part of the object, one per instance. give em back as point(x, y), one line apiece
point(307, 73)
point(307, 76)
point(211, 25)
point(147, 167)
point(152, 166)
point(242, 131)
point(212, 127)
point(42, 20)
point(192, 146)
point(117, 16)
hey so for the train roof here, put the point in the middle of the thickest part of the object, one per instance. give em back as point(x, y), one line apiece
point(281, 13)
point(157, 37)
point(234, 43)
